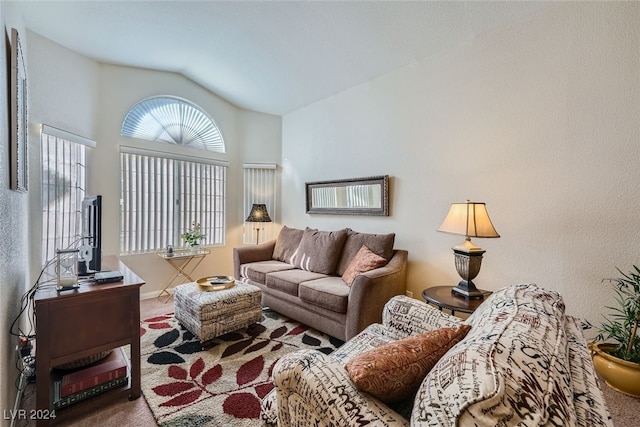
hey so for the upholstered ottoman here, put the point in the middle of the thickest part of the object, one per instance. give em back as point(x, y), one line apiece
point(214, 313)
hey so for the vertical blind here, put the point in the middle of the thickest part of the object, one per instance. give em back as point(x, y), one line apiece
point(164, 195)
point(63, 188)
point(259, 187)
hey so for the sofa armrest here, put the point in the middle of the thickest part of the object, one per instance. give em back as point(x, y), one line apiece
point(370, 291)
point(314, 390)
point(588, 400)
point(404, 316)
point(254, 253)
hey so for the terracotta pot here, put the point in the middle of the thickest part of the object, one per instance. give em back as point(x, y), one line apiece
point(617, 373)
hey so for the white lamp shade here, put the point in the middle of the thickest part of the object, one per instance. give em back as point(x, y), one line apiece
point(468, 219)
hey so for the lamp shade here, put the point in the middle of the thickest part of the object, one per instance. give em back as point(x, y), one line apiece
point(258, 213)
point(468, 219)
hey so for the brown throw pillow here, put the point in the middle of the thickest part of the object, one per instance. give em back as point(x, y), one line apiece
point(319, 250)
point(364, 261)
point(287, 243)
point(394, 371)
point(380, 244)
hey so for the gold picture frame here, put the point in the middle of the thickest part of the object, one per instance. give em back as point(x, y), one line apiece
point(19, 117)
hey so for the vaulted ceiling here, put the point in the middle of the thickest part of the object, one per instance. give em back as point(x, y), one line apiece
point(269, 56)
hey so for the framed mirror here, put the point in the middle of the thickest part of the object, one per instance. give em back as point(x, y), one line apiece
point(357, 196)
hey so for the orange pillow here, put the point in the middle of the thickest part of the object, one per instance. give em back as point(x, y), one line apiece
point(394, 371)
point(363, 261)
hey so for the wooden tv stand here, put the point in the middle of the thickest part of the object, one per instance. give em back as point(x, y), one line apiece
point(74, 324)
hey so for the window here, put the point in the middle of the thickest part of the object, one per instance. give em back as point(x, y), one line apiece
point(63, 188)
point(173, 120)
point(259, 187)
point(164, 194)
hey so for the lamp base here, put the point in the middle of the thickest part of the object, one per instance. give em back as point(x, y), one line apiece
point(467, 290)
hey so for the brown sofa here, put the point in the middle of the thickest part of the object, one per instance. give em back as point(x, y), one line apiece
point(300, 275)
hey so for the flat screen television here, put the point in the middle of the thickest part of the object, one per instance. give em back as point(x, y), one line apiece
point(91, 235)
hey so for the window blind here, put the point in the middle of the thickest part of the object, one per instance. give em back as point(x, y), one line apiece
point(63, 188)
point(259, 187)
point(162, 196)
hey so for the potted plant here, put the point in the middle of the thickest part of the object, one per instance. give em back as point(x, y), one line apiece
point(616, 356)
point(193, 236)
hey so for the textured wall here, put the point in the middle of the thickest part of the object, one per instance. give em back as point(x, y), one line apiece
point(13, 225)
point(539, 120)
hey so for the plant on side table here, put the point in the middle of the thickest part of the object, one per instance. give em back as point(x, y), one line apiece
point(618, 362)
point(193, 236)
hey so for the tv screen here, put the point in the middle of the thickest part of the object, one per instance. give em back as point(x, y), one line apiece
point(91, 234)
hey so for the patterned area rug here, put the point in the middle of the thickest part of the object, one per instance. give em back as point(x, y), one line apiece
point(223, 385)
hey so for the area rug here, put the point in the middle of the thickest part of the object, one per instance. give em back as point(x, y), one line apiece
point(185, 385)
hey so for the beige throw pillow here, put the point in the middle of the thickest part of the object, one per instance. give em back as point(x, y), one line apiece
point(394, 371)
point(364, 261)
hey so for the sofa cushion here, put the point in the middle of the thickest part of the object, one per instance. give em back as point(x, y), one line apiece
point(393, 372)
point(403, 316)
point(257, 271)
point(319, 250)
point(287, 243)
point(380, 244)
point(329, 293)
point(369, 338)
point(511, 369)
point(364, 261)
point(289, 280)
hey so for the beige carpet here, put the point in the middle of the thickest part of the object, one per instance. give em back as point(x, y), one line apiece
point(624, 409)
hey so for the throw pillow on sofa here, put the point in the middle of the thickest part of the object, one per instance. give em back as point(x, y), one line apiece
point(394, 371)
point(380, 244)
point(286, 244)
point(364, 261)
point(319, 250)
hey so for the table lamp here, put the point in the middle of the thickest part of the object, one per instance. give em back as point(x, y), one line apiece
point(468, 219)
point(258, 214)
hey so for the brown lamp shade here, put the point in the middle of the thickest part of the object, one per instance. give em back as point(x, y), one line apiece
point(258, 213)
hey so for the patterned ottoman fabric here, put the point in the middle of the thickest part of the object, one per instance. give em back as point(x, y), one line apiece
point(211, 314)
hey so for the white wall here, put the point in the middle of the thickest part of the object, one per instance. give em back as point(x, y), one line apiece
point(539, 120)
point(13, 222)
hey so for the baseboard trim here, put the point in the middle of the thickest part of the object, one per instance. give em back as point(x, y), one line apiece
point(154, 294)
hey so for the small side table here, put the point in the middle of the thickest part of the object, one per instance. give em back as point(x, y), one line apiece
point(441, 297)
point(184, 262)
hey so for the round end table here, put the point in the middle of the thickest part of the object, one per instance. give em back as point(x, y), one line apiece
point(442, 297)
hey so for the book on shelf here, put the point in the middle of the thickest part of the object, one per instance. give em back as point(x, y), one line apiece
point(62, 402)
point(110, 368)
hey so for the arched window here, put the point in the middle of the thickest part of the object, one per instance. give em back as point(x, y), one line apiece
point(173, 120)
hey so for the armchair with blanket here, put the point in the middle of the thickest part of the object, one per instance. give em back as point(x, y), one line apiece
point(521, 361)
